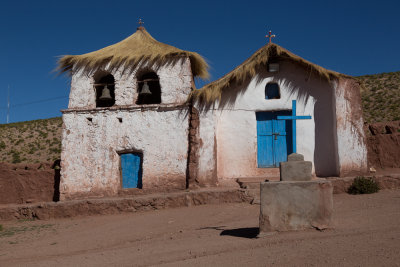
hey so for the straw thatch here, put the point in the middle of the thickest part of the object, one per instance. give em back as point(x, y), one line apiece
point(248, 69)
point(138, 47)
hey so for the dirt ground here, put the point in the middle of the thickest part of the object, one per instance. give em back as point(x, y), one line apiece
point(366, 232)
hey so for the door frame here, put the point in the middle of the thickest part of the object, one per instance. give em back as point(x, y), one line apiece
point(288, 130)
point(140, 181)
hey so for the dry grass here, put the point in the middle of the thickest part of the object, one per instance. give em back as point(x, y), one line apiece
point(137, 48)
point(31, 141)
point(248, 69)
point(381, 96)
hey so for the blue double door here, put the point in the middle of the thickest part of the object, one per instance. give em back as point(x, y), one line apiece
point(131, 166)
point(274, 138)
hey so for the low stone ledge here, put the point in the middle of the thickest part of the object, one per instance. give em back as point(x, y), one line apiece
point(89, 207)
point(340, 185)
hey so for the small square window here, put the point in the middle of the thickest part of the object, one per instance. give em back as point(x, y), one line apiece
point(272, 91)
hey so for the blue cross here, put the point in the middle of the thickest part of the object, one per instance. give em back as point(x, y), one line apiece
point(294, 118)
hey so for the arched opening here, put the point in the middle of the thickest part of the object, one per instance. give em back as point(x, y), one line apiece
point(149, 89)
point(104, 84)
point(272, 91)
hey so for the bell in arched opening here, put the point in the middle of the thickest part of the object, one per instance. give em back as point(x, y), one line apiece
point(104, 85)
point(105, 94)
point(145, 89)
point(149, 89)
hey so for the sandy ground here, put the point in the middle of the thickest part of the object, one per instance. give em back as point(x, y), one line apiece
point(366, 233)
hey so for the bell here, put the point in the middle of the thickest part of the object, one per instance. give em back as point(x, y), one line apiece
point(145, 89)
point(105, 94)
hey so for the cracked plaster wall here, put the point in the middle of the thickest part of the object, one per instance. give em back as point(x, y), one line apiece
point(234, 126)
point(90, 159)
point(175, 81)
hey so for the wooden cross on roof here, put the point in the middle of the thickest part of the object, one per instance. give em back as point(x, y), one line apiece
point(140, 22)
point(270, 36)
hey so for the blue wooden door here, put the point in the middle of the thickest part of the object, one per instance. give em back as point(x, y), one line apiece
point(265, 142)
point(273, 139)
point(131, 165)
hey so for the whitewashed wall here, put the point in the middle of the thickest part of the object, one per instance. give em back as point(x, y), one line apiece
point(207, 163)
point(175, 82)
point(352, 147)
point(236, 125)
point(90, 159)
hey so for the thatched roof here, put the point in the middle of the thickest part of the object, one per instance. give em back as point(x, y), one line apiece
point(248, 69)
point(138, 47)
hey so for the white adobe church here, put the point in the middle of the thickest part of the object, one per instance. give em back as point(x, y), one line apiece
point(135, 121)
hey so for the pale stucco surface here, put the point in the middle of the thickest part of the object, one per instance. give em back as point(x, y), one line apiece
point(227, 133)
point(207, 164)
point(90, 159)
point(175, 81)
point(90, 149)
point(236, 126)
point(352, 149)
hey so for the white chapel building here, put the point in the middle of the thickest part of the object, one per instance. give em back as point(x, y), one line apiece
point(136, 123)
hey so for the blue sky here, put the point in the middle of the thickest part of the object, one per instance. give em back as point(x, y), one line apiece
point(352, 37)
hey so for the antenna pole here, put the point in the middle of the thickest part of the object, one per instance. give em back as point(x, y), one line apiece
point(8, 104)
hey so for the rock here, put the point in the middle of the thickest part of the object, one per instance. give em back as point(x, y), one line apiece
point(295, 205)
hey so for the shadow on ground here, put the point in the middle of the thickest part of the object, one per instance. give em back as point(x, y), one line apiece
point(251, 232)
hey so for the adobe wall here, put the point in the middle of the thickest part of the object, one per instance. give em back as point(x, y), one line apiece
point(352, 149)
point(27, 183)
point(207, 150)
point(383, 139)
point(236, 126)
point(93, 137)
point(90, 150)
point(175, 81)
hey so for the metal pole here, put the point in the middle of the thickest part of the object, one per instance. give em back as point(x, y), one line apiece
point(8, 104)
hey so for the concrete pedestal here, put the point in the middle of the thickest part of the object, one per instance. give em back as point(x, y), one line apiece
point(295, 169)
point(295, 205)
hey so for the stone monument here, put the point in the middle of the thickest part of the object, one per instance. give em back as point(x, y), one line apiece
point(296, 202)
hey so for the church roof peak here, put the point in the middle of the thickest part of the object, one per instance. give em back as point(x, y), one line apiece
point(138, 47)
point(248, 69)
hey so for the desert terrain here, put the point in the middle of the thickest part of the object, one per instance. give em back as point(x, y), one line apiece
point(365, 232)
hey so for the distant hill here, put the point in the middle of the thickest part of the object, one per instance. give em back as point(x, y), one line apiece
point(381, 97)
point(31, 141)
point(40, 140)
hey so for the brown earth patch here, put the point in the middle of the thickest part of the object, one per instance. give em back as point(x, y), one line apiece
point(26, 183)
point(383, 143)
